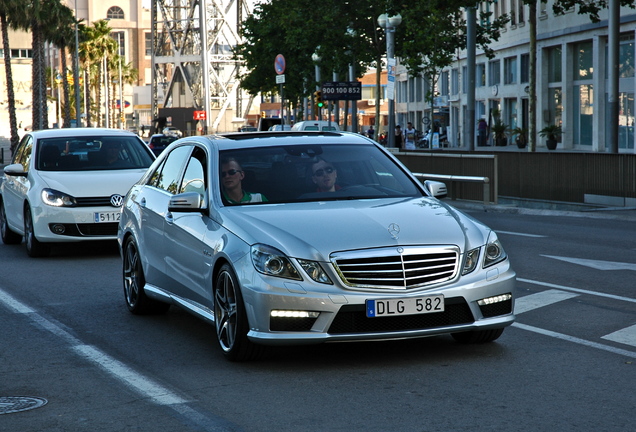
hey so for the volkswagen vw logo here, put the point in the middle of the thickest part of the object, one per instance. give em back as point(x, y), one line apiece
point(394, 230)
point(116, 200)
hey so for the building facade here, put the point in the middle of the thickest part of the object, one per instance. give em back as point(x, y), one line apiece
point(571, 81)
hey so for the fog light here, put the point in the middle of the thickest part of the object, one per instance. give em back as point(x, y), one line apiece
point(58, 229)
point(495, 299)
point(294, 314)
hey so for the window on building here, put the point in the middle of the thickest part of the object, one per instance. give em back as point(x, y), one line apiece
point(115, 12)
point(19, 53)
point(625, 57)
point(148, 43)
point(445, 83)
point(583, 114)
point(554, 64)
point(494, 72)
point(583, 57)
point(454, 81)
point(119, 38)
point(464, 79)
point(513, 12)
point(510, 70)
point(520, 13)
point(525, 68)
point(480, 75)
point(625, 120)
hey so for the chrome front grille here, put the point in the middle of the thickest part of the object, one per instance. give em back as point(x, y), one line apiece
point(397, 268)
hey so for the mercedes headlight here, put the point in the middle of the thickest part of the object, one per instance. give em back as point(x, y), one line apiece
point(315, 271)
point(272, 262)
point(494, 252)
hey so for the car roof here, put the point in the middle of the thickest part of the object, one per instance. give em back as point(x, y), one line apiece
point(234, 140)
point(79, 132)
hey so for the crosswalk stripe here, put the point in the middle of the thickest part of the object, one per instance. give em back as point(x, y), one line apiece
point(625, 336)
point(540, 299)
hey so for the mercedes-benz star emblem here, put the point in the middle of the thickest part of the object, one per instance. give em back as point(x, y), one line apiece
point(116, 200)
point(394, 230)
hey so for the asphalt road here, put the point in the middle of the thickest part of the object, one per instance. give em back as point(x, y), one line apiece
point(567, 364)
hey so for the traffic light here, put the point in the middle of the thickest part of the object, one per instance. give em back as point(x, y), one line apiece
point(319, 102)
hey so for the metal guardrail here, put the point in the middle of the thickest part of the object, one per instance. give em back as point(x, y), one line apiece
point(456, 178)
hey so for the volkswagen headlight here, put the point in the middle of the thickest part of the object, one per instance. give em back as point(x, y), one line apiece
point(56, 198)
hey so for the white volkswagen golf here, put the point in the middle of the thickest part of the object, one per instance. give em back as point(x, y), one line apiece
point(307, 237)
point(67, 185)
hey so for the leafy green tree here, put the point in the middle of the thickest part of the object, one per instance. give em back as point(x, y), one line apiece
point(587, 7)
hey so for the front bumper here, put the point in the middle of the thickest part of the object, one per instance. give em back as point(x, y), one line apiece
point(73, 224)
point(342, 317)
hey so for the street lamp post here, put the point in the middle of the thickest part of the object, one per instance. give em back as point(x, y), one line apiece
point(316, 58)
point(389, 24)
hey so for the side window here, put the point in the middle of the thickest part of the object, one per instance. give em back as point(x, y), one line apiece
point(170, 172)
point(23, 152)
point(194, 178)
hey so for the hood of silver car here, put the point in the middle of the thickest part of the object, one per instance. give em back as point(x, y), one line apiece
point(330, 226)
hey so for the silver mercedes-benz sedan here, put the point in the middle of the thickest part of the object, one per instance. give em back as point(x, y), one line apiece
point(301, 237)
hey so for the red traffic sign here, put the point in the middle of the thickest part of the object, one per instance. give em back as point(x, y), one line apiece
point(279, 64)
point(199, 115)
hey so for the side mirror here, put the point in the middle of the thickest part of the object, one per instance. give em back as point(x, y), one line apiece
point(16, 170)
point(188, 202)
point(437, 189)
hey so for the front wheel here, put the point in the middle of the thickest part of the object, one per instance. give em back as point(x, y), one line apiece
point(230, 319)
point(133, 274)
point(478, 336)
point(8, 236)
point(34, 247)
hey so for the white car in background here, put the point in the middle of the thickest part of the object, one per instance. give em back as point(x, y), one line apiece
point(68, 185)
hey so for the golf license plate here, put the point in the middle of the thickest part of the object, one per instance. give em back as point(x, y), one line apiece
point(405, 306)
point(107, 217)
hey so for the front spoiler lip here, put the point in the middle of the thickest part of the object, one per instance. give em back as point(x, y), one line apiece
point(309, 338)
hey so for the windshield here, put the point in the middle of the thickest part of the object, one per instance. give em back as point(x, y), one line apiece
point(92, 153)
point(311, 173)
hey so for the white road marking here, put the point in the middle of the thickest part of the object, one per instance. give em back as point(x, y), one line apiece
point(596, 264)
point(135, 380)
point(578, 290)
point(575, 340)
point(626, 336)
point(544, 298)
point(520, 234)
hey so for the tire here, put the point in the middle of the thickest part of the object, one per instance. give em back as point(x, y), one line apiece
point(477, 337)
point(230, 319)
point(133, 278)
point(34, 248)
point(8, 236)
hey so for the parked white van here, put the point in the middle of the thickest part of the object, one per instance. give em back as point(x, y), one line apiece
point(316, 125)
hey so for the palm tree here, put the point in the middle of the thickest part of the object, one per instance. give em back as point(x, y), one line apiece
point(97, 45)
point(63, 37)
point(9, 9)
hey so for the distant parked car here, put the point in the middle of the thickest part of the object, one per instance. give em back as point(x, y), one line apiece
point(279, 127)
point(159, 142)
point(68, 185)
point(172, 131)
point(308, 237)
point(247, 128)
point(316, 125)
